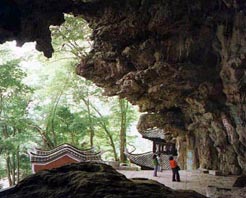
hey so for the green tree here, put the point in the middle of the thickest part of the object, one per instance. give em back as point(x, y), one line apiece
point(72, 37)
point(50, 96)
point(14, 99)
point(57, 75)
point(71, 126)
point(123, 115)
point(61, 106)
point(124, 107)
point(76, 43)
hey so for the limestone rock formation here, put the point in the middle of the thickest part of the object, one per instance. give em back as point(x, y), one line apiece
point(218, 192)
point(182, 62)
point(92, 180)
point(240, 182)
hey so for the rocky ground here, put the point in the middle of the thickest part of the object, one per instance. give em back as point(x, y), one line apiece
point(209, 185)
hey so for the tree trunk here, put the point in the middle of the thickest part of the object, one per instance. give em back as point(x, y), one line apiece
point(109, 135)
point(13, 170)
point(92, 133)
point(123, 113)
point(8, 167)
point(111, 143)
point(53, 114)
point(18, 163)
point(45, 137)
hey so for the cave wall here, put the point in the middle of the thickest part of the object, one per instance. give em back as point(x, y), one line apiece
point(182, 62)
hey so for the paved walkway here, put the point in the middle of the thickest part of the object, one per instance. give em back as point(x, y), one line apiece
point(190, 180)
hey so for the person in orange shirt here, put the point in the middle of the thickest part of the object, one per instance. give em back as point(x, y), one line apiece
point(175, 168)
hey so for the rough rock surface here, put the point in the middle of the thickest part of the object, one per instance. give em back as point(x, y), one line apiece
point(240, 182)
point(182, 62)
point(218, 192)
point(92, 180)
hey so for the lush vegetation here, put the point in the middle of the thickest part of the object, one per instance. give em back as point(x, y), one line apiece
point(43, 103)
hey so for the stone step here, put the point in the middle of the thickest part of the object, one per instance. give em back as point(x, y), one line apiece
point(205, 171)
point(215, 172)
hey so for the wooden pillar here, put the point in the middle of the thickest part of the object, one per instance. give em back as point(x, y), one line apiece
point(154, 147)
point(159, 147)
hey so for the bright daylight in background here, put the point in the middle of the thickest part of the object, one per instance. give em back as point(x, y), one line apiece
point(28, 50)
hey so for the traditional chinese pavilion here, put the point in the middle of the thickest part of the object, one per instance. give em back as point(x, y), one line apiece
point(59, 156)
point(162, 144)
point(162, 141)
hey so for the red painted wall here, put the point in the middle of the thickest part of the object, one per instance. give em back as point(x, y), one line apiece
point(54, 164)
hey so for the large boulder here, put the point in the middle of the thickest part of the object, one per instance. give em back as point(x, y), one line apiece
point(92, 180)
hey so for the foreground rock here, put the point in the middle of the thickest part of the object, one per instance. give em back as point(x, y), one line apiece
point(240, 182)
point(91, 180)
point(238, 190)
point(218, 192)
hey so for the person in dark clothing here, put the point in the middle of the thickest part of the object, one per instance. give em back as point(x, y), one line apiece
point(173, 150)
point(156, 164)
point(159, 162)
point(175, 168)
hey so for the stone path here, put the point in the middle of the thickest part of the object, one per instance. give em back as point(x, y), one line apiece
point(190, 180)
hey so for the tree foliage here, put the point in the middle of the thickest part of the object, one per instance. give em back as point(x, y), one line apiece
point(14, 122)
point(48, 105)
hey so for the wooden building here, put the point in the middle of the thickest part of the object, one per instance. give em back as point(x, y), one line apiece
point(59, 156)
point(163, 144)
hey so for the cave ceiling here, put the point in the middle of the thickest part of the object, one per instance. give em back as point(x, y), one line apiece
point(182, 62)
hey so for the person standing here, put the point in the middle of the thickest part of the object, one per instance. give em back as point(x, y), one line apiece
point(159, 162)
point(156, 164)
point(175, 168)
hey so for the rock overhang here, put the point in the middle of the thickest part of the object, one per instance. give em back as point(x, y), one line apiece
point(184, 57)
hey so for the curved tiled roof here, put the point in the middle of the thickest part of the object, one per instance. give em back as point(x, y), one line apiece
point(63, 146)
point(145, 160)
point(62, 150)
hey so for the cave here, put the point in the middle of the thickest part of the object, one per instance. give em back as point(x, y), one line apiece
point(181, 62)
